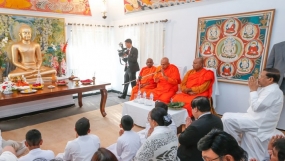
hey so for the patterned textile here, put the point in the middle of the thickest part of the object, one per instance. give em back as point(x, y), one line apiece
point(160, 146)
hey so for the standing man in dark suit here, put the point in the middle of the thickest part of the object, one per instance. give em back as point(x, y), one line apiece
point(204, 123)
point(277, 60)
point(131, 66)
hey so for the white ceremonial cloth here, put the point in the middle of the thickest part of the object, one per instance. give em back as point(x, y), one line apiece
point(162, 143)
point(81, 148)
point(139, 113)
point(38, 154)
point(127, 146)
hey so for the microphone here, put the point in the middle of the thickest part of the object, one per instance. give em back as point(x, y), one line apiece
point(142, 77)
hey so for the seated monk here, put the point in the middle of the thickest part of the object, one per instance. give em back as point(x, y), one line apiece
point(167, 78)
point(145, 78)
point(196, 82)
point(30, 56)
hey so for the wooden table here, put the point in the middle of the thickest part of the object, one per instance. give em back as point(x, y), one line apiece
point(69, 89)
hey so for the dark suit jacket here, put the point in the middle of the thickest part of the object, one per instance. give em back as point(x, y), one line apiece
point(189, 138)
point(276, 60)
point(132, 60)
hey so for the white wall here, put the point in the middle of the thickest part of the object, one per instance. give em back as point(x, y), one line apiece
point(180, 41)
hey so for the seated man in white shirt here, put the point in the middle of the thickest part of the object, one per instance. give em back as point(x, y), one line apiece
point(33, 142)
point(129, 142)
point(85, 144)
point(8, 154)
point(255, 128)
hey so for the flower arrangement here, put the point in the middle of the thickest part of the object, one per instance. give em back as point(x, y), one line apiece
point(59, 52)
point(7, 87)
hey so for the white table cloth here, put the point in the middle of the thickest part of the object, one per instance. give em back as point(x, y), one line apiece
point(139, 113)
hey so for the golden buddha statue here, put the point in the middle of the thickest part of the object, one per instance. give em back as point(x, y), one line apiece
point(30, 56)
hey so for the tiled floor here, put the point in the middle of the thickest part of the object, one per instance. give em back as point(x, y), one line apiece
point(89, 103)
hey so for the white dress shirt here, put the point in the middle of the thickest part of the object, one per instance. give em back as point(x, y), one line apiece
point(38, 154)
point(8, 156)
point(81, 148)
point(265, 109)
point(206, 113)
point(0, 141)
point(127, 145)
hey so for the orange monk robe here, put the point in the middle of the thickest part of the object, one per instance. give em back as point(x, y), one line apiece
point(148, 80)
point(200, 83)
point(166, 88)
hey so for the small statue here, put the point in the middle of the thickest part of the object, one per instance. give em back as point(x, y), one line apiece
point(264, 21)
point(255, 73)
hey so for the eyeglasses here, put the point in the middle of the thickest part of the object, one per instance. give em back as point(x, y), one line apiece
point(207, 159)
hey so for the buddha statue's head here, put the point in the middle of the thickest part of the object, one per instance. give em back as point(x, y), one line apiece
point(25, 32)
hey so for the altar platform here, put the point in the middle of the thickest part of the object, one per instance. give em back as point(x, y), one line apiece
point(18, 103)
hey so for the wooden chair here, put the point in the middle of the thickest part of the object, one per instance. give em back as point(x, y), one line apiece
point(213, 111)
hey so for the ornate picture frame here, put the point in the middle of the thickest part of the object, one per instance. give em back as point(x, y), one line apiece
point(236, 45)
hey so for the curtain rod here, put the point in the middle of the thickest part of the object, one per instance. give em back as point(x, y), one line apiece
point(134, 24)
point(88, 25)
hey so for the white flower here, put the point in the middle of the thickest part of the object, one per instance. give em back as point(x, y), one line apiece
point(7, 86)
point(53, 46)
point(5, 40)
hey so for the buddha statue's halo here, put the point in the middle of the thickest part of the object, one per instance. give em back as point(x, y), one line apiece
point(14, 30)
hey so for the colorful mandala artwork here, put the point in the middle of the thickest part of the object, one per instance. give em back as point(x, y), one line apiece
point(235, 45)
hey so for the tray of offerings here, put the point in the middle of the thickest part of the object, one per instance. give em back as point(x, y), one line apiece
point(61, 83)
point(86, 82)
point(37, 86)
point(28, 91)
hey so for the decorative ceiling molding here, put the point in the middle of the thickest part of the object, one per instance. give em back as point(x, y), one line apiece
point(78, 7)
point(141, 5)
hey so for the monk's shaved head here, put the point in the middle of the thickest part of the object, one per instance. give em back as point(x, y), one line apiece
point(198, 64)
point(149, 59)
point(149, 62)
point(200, 60)
point(164, 63)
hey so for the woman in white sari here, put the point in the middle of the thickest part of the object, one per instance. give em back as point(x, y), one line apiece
point(162, 144)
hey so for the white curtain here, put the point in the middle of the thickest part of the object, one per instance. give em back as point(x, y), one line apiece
point(148, 38)
point(90, 51)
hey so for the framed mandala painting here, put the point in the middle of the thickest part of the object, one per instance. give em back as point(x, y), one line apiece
point(235, 45)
